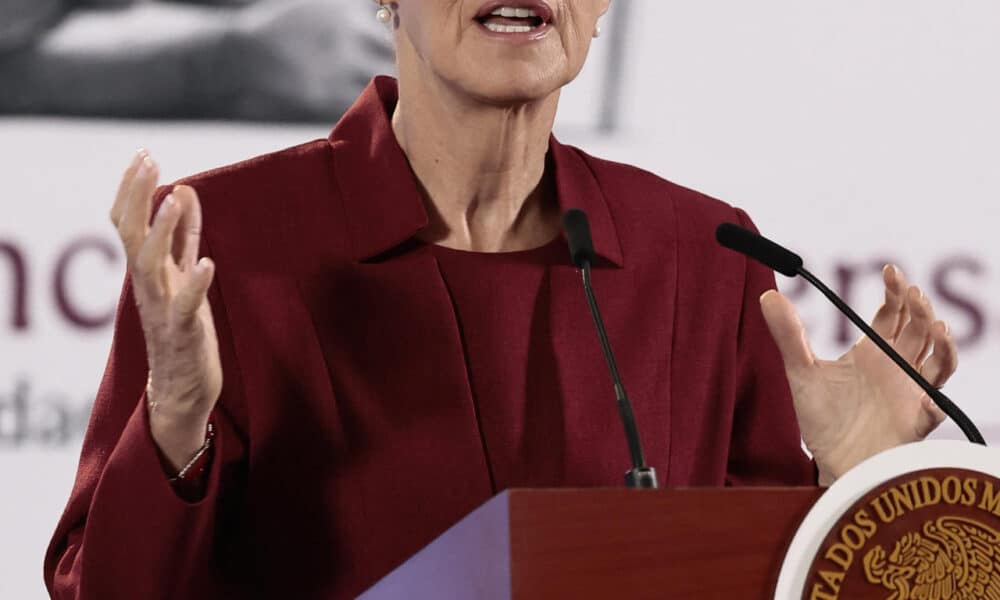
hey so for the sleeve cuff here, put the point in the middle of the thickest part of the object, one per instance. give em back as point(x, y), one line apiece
point(138, 459)
point(155, 536)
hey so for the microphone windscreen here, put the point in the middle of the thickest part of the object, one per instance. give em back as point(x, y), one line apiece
point(577, 227)
point(759, 248)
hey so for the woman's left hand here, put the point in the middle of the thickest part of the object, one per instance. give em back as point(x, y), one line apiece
point(863, 403)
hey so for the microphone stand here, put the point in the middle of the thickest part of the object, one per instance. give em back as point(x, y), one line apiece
point(640, 476)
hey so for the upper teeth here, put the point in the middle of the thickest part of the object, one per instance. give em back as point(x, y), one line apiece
point(510, 12)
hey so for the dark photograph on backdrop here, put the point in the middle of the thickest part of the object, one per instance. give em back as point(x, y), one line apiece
point(275, 60)
point(261, 60)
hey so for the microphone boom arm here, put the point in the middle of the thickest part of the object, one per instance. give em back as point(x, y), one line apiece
point(942, 401)
point(784, 261)
point(581, 251)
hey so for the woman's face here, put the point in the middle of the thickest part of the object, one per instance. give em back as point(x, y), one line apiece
point(497, 51)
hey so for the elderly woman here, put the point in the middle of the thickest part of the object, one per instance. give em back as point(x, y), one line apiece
point(389, 331)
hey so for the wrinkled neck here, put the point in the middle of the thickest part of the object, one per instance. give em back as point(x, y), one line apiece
point(481, 167)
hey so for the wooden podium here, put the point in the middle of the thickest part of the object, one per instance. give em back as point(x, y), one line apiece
point(609, 543)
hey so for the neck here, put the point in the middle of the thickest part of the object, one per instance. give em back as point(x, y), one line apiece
point(481, 167)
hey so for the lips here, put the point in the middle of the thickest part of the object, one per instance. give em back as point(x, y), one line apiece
point(515, 13)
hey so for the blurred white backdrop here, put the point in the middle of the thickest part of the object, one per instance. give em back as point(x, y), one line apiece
point(854, 132)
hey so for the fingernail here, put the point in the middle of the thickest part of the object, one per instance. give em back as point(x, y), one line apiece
point(138, 156)
point(147, 166)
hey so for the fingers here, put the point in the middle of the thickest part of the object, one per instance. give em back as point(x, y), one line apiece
point(890, 318)
point(915, 339)
point(121, 197)
point(907, 318)
point(944, 361)
point(187, 237)
point(134, 222)
point(194, 293)
point(787, 330)
point(175, 236)
point(152, 258)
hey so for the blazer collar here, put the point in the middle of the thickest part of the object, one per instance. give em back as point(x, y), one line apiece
point(382, 204)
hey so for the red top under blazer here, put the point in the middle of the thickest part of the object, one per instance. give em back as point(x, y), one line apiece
point(351, 430)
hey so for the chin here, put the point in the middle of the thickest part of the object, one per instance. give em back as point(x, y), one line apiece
point(512, 83)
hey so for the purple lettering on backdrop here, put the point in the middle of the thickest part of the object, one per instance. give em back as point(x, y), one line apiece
point(60, 284)
point(19, 295)
point(14, 415)
point(51, 420)
point(846, 276)
point(945, 290)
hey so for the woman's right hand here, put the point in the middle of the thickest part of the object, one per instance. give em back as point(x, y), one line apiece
point(170, 285)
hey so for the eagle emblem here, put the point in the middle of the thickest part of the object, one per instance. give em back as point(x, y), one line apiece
point(953, 559)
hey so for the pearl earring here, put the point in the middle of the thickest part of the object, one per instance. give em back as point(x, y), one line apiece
point(384, 14)
point(597, 31)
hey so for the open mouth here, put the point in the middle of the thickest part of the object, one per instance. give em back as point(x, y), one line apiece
point(515, 19)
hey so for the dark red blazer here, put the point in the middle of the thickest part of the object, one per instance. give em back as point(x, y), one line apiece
point(347, 435)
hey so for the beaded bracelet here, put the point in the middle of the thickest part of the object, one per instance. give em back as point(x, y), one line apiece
point(184, 472)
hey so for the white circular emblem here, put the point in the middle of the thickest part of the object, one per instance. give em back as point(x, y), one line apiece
point(845, 492)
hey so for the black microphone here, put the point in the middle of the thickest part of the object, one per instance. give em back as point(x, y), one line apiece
point(788, 263)
point(581, 248)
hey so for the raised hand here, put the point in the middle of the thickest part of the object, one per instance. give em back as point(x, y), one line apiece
point(170, 285)
point(862, 403)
